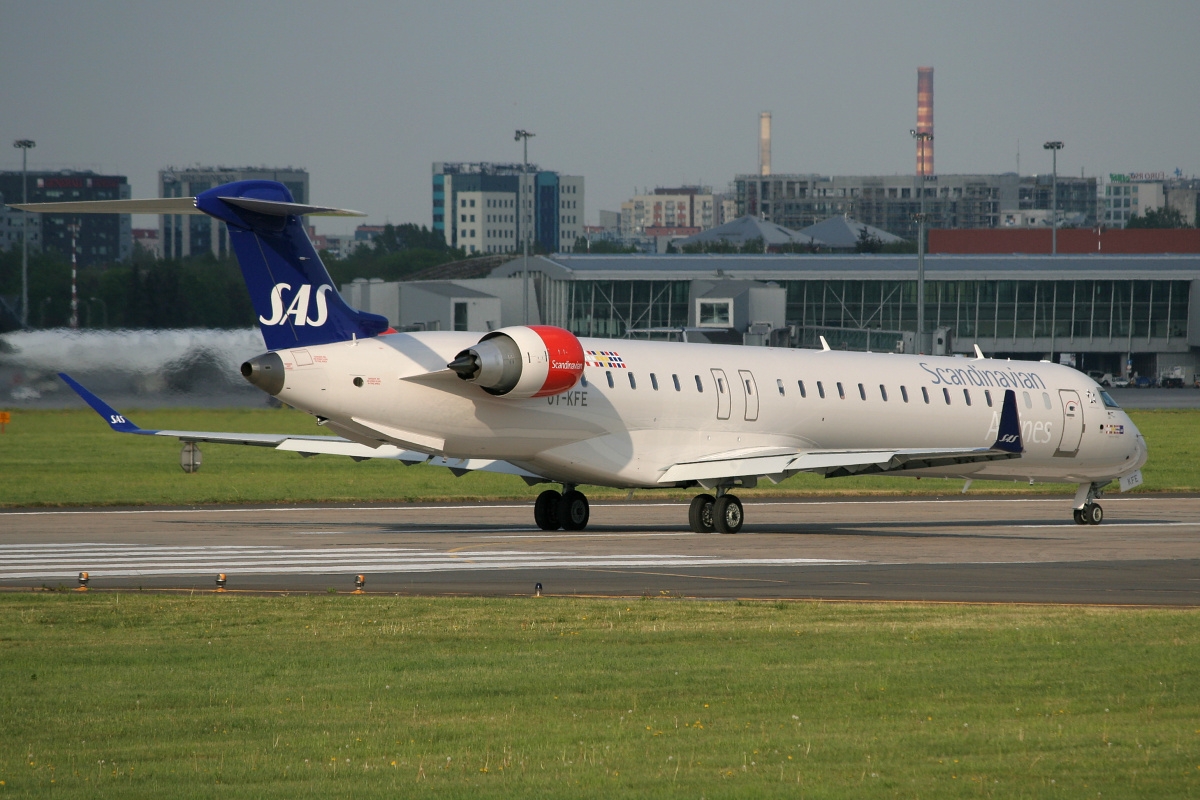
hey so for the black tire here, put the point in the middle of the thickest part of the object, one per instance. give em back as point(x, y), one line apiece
point(545, 510)
point(727, 514)
point(1080, 519)
point(573, 511)
point(1093, 513)
point(700, 513)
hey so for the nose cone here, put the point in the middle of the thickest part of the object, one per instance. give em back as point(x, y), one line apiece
point(265, 372)
point(1140, 450)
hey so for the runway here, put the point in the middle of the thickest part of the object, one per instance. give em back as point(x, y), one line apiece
point(973, 549)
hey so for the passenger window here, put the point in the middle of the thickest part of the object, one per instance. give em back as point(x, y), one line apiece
point(821, 389)
point(883, 392)
point(946, 394)
point(862, 393)
point(1046, 399)
point(779, 383)
point(925, 394)
point(801, 385)
point(841, 391)
point(675, 378)
point(632, 382)
point(610, 380)
point(987, 395)
point(721, 385)
point(749, 387)
point(904, 393)
point(1028, 401)
point(699, 385)
point(583, 381)
point(653, 381)
point(967, 396)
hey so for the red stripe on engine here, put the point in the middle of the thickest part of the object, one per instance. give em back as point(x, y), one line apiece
point(566, 359)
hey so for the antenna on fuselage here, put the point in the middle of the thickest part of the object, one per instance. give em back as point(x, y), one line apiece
point(979, 356)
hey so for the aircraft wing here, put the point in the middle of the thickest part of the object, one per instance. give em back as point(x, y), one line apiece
point(776, 464)
point(303, 444)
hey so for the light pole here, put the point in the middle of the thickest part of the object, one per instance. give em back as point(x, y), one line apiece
point(25, 145)
point(1053, 147)
point(923, 138)
point(523, 137)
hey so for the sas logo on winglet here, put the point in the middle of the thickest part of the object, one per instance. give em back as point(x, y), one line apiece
point(297, 309)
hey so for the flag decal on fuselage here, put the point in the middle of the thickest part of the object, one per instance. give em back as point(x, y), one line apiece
point(605, 359)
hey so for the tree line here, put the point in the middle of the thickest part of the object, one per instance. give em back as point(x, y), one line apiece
point(198, 292)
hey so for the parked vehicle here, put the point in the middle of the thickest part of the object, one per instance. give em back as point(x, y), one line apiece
point(1176, 377)
point(1143, 382)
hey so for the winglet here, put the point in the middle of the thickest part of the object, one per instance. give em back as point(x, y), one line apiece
point(1008, 438)
point(115, 421)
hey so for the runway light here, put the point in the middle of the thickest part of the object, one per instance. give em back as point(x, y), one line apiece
point(83, 582)
point(221, 582)
point(359, 582)
point(537, 590)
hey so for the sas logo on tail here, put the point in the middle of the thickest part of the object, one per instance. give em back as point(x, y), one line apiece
point(297, 309)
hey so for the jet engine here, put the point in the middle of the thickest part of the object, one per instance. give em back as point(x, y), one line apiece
point(522, 361)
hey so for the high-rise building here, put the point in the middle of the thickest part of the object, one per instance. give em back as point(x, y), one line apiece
point(183, 235)
point(101, 238)
point(483, 207)
point(891, 202)
point(694, 208)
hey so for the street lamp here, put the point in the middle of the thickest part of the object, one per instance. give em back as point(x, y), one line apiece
point(923, 139)
point(523, 137)
point(24, 145)
point(1054, 147)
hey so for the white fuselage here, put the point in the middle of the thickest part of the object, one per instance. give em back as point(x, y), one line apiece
point(642, 407)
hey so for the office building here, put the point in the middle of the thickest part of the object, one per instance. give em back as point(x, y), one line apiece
point(100, 238)
point(478, 207)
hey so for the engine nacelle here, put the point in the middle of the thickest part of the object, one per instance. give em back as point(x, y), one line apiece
point(523, 361)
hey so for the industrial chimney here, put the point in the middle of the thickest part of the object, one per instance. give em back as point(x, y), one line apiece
point(764, 143)
point(925, 120)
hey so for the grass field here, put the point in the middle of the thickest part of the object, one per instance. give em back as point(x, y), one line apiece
point(63, 458)
point(130, 695)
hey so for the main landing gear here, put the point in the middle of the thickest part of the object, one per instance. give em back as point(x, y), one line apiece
point(567, 510)
point(1087, 511)
point(722, 513)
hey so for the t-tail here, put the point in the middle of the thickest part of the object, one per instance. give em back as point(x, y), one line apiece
point(293, 295)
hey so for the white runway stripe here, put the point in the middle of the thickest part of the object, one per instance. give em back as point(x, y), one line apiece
point(64, 561)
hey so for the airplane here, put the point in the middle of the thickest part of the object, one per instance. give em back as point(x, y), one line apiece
point(540, 403)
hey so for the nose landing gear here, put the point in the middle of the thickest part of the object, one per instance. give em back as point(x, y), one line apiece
point(1087, 511)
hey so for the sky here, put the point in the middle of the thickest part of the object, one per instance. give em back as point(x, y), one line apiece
point(367, 94)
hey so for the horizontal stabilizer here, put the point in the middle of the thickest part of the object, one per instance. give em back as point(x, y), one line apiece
point(163, 205)
point(185, 205)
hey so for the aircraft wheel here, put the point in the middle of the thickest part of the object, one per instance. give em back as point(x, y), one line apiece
point(727, 514)
point(1080, 516)
point(545, 510)
point(1093, 513)
point(573, 511)
point(700, 513)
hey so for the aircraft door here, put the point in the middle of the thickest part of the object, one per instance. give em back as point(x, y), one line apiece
point(751, 391)
point(1072, 422)
point(723, 392)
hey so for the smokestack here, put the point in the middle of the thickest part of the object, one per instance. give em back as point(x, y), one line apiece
point(925, 120)
point(764, 143)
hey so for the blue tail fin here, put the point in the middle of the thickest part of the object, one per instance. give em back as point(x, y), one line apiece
point(292, 293)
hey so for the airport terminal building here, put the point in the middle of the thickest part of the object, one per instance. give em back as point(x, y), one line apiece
point(1122, 314)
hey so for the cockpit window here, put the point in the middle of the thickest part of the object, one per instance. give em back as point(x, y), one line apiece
point(1108, 401)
